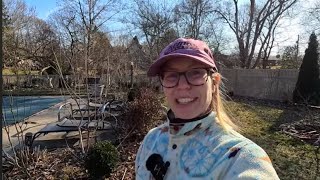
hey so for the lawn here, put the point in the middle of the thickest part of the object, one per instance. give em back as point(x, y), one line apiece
point(260, 121)
point(7, 71)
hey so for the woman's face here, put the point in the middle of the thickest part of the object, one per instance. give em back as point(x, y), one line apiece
point(185, 100)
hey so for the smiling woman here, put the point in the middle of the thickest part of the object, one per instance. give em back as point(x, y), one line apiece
point(198, 141)
point(17, 108)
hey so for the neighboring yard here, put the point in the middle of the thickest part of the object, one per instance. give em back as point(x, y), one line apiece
point(40, 92)
point(7, 71)
point(260, 121)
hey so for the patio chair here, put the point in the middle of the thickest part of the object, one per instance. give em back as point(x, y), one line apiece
point(91, 108)
point(97, 97)
point(67, 124)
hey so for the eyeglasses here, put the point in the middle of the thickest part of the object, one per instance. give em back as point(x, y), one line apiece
point(195, 77)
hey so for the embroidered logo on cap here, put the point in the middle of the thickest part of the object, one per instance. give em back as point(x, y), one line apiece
point(179, 45)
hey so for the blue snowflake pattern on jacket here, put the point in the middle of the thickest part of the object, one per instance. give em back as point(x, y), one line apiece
point(196, 159)
point(202, 149)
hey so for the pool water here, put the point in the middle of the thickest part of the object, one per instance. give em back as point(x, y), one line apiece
point(17, 108)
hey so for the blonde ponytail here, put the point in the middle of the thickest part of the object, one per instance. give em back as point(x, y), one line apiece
point(218, 104)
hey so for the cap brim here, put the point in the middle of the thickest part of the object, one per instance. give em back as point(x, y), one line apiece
point(155, 68)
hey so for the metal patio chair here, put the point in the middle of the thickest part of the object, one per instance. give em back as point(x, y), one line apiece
point(71, 123)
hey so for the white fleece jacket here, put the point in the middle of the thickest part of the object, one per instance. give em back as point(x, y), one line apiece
point(202, 149)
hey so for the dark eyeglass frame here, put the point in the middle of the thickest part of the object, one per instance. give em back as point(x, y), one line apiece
point(210, 71)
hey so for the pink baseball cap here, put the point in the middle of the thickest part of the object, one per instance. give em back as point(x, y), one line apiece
point(188, 48)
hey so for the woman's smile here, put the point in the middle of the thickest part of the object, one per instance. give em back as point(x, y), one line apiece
point(185, 100)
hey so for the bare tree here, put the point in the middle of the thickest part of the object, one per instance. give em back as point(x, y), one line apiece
point(193, 16)
point(315, 15)
point(248, 22)
point(197, 19)
point(40, 43)
point(266, 43)
point(289, 58)
point(18, 17)
point(78, 22)
point(311, 18)
point(154, 19)
point(68, 32)
point(216, 35)
point(101, 51)
point(27, 38)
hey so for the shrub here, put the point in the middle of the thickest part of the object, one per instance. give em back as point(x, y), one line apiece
point(101, 159)
point(142, 111)
point(308, 84)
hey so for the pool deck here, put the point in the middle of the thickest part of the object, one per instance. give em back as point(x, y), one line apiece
point(34, 124)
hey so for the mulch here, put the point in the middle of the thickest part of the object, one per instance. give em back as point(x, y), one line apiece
point(56, 164)
point(67, 164)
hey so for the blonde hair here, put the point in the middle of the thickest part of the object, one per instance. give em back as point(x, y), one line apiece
point(218, 102)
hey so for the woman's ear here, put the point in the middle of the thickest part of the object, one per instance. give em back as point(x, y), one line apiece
point(216, 78)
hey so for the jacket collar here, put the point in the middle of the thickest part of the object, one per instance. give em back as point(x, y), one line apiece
point(187, 127)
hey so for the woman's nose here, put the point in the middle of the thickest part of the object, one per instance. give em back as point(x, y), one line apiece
point(183, 83)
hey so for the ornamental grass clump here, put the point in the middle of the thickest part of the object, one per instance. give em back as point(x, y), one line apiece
point(101, 159)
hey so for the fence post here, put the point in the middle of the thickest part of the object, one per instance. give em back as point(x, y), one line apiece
point(131, 74)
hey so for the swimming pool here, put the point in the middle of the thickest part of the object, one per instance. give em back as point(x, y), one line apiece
point(17, 108)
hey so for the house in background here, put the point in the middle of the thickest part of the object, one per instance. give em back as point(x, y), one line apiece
point(232, 61)
point(227, 61)
point(274, 62)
